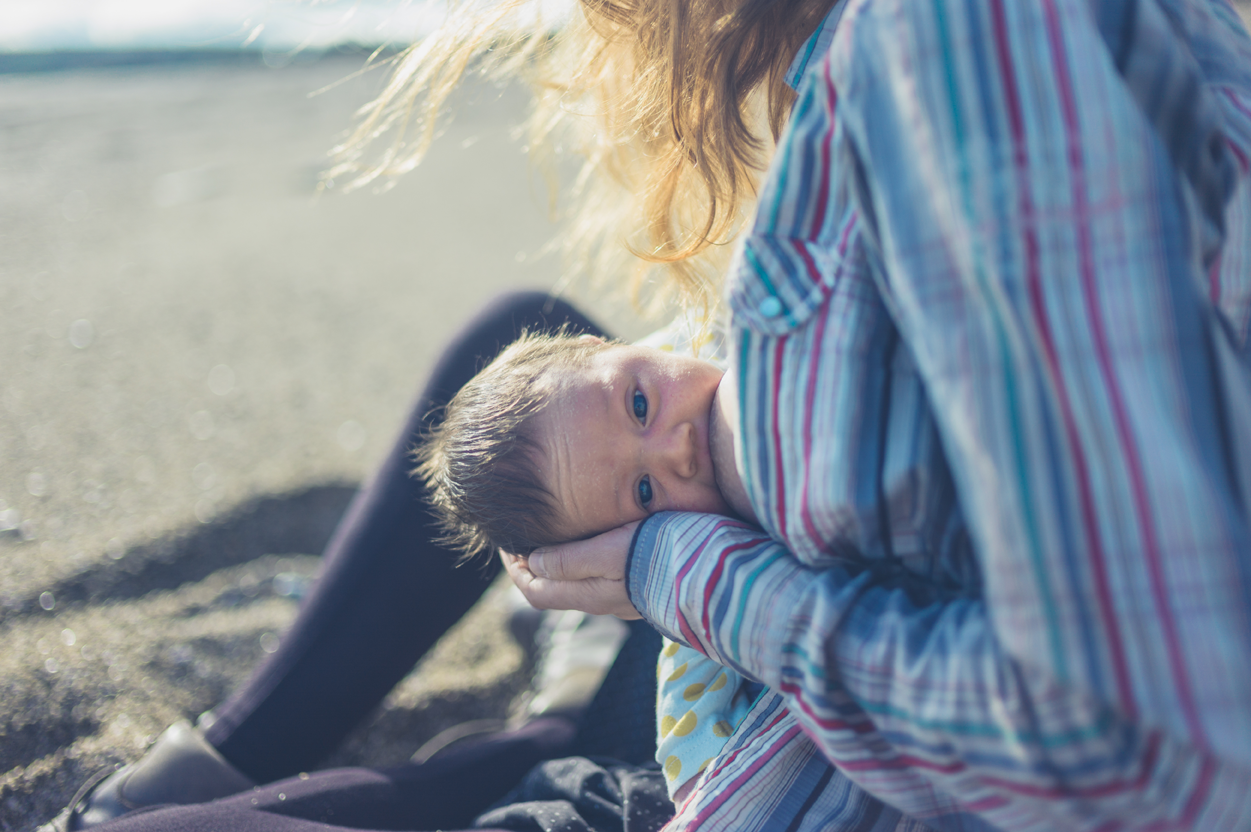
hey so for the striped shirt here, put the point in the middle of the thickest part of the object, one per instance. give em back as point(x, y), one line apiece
point(988, 332)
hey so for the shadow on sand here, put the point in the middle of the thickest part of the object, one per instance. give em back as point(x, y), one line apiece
point(300, 521)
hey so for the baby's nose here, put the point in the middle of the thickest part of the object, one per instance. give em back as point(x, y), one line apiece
point(678, 450)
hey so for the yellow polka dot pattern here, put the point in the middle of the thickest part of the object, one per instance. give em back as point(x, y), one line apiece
point(699, 704)
point(686, 724)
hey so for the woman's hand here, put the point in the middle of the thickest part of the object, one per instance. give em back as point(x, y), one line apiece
point(586, 575)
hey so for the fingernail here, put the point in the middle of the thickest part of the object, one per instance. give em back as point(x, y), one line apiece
point(536, 564)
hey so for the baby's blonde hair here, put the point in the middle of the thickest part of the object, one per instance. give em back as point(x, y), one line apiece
point(666, 101)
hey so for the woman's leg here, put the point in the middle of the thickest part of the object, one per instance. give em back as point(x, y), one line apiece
point(447, 792)
point(386, 592)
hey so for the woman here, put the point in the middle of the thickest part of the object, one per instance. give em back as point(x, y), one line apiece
point(989, 328)
point(961, 516)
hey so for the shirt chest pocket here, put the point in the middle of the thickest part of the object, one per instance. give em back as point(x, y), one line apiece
point(846, 465)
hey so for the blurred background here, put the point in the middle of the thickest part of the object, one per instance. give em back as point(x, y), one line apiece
point(271, 26)
point(201, 356)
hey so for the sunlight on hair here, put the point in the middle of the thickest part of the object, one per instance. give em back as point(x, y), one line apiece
point(671, 106)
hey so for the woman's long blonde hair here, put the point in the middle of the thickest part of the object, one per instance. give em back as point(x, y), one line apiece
point(671, 103)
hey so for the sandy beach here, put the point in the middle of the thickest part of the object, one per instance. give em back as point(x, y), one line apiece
point(200, 360)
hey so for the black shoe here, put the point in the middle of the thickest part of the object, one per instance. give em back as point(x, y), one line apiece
point(180, 767)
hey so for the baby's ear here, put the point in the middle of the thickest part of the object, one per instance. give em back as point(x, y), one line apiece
point(589, 337)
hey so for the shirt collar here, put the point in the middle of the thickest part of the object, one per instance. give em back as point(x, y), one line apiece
point(817, 44)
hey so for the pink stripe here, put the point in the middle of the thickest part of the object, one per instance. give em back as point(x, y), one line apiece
point(853, 222)
point(1193, 805)
point(814, 273)
point(1136, 784)
point(777, 436)
point(1103, 589)
point(805, 509)
point(726, 792)
point(1236, 101)
point(1063, 792)
point(1150, 759)
point(823, 191)
point(715, 578)
point(778, 716)
point(810, 395)
point(863, 727)
point(1237, 151)
point(1142, 503)
point(810, 391)
point(684, 626)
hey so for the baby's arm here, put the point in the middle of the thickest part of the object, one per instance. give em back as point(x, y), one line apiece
point(699, 703)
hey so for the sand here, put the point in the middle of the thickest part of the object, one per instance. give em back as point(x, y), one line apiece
point(199, 362)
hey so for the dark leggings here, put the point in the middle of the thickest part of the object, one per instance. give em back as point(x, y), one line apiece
point(447, 792)
point(386, 593)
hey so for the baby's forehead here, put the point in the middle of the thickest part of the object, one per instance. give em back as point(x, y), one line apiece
point(567, 437)
point(566, 377)
point(609, 367)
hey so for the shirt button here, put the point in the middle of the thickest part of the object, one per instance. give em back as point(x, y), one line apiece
point(770, 307)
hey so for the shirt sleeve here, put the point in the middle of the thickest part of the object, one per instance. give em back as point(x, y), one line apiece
point(918, 704)
point(1042, 228)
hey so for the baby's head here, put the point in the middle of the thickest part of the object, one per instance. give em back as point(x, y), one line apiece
point(562, 437)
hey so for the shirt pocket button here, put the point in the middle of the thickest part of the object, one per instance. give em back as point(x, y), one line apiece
point(770, 307)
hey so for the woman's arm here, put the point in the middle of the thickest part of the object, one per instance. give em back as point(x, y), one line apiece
point(920, 704)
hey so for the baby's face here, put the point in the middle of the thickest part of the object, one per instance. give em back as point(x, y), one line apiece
point(628, 436)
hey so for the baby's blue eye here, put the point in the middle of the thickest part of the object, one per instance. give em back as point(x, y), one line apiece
point(645, 491)
point(640, 406)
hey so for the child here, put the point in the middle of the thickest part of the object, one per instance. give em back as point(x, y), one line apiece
point(563, 437)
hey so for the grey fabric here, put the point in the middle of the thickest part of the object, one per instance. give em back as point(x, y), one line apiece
point(578, 794)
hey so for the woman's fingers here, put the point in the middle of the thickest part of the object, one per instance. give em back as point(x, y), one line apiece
point(597, 596)
point(593, 593)
point(602, 556)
